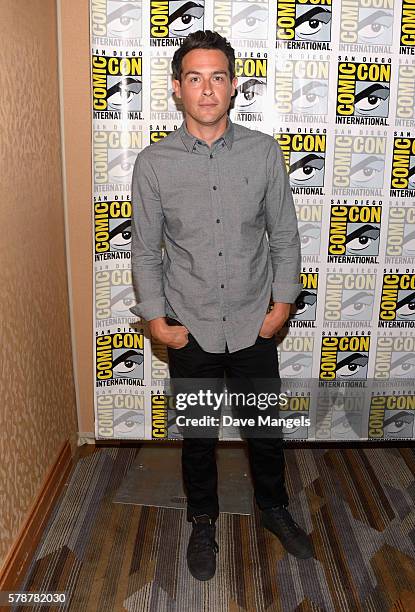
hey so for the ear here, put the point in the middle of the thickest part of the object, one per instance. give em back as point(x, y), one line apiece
point(176, 88)
point(234, 85)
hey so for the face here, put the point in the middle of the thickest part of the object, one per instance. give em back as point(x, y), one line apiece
point(205, 88)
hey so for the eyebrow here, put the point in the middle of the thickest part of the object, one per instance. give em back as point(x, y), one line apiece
point(196, 72)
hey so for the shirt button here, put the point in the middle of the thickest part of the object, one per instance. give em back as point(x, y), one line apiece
point(214, 187)
point(211, 156)
point(223, 318)
point(220, 253)
point(222, 286)
point(217, 220)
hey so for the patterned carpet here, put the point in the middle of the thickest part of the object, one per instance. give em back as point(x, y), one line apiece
point(357, 504)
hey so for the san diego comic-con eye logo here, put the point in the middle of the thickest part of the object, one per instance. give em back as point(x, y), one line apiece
point(115, 19)
point(303, 311)
point(304, 24)
point(397, 302)
point(363, 93)
point(359, 163)
point(349, 298)
point(301, 89)
point(354, 234)
point(339, 415)
point(395, 357)
point(112, 225)
point(366, 25)
point(119, 359)
point(391, 417)
point(241, 20)
point(252, 87)
point(309, 228)
point(295, 356)
point(403, 167)
point(117, 87)
point(344, 357)
point(114, 296)
point(173, 20)
point(114, 155)
point(400, 237)
point(405, 100)
point(120, 416)
point(407, 37)
point(304, 156)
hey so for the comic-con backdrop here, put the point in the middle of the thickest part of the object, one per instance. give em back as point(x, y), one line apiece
point(334, 82)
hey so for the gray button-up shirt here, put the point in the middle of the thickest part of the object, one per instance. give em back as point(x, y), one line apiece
point(227, 220)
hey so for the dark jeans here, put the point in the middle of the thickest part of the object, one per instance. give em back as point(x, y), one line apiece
point(266, 456)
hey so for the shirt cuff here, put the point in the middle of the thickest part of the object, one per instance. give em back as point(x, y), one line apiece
point(150, 309)
point(286, 293)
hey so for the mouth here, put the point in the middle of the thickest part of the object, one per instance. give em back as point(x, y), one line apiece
point(207, 105)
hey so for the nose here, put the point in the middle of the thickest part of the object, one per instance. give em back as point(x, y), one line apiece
point(207, 88)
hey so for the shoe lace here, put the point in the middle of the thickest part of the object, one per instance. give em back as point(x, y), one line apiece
point(203, 536)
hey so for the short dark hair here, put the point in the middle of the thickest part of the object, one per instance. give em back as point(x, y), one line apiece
point(203, 40)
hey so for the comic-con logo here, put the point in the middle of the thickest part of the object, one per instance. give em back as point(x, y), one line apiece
point(115, 19)
point(397, 302)
point(366, 23)
point(114, 155)
point(117, 87)
point(159, 418)
point(403, 168)
point(173, 20)
point(363, 93)
point(304, 24)
point(112, 229)
point(339, 415)
point(407, 36)
point(395, 357)
point(304, 309)
point(295, 356)
point(305, 156)
point(120, 416)
point(241, 20)
point(309, 218)
point(391, 417)
point(120, 359)
point(163, 102)
point(301, 88)
point(252, 88)
point(405, 101)
point(359, 164)
point(344, 357)
point(400, 237)
point(354, 234)
point(349, 297)
point(114, 295)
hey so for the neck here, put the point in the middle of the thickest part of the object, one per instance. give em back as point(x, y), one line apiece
point(208, 133)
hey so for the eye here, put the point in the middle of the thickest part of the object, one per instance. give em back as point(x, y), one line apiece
point(404, 367)
point(306, 168)
point(409, 244)
point(375, 25)
point(121, 301)
point(296, 366)
point(398, 422)
point(128, 422)
point(249, 90)
point(351, 365)
point(367, 169)
point(406, 306)
point(120, 236)
point(182, 20)
point(305, 300)
point(125, 19)
point(371, 98)
point(341, 427)
point(309, 233)
point(358, 306)
point(362, 237)
point(122, 93)
point(128, 364)
point(310, 23)
point(248, 20)
point(121, 166)
point(310, 95)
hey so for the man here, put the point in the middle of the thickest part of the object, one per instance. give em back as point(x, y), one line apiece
point(218, 197)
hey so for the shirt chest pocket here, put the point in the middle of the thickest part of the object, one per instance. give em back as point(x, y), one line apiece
point(250, 197)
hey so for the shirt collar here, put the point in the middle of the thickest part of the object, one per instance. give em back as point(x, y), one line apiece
point(189, 140)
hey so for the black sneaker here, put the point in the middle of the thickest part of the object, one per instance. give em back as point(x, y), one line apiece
point(202, 548)
point(294, 539)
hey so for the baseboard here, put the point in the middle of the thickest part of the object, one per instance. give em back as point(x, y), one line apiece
point(17, 561)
